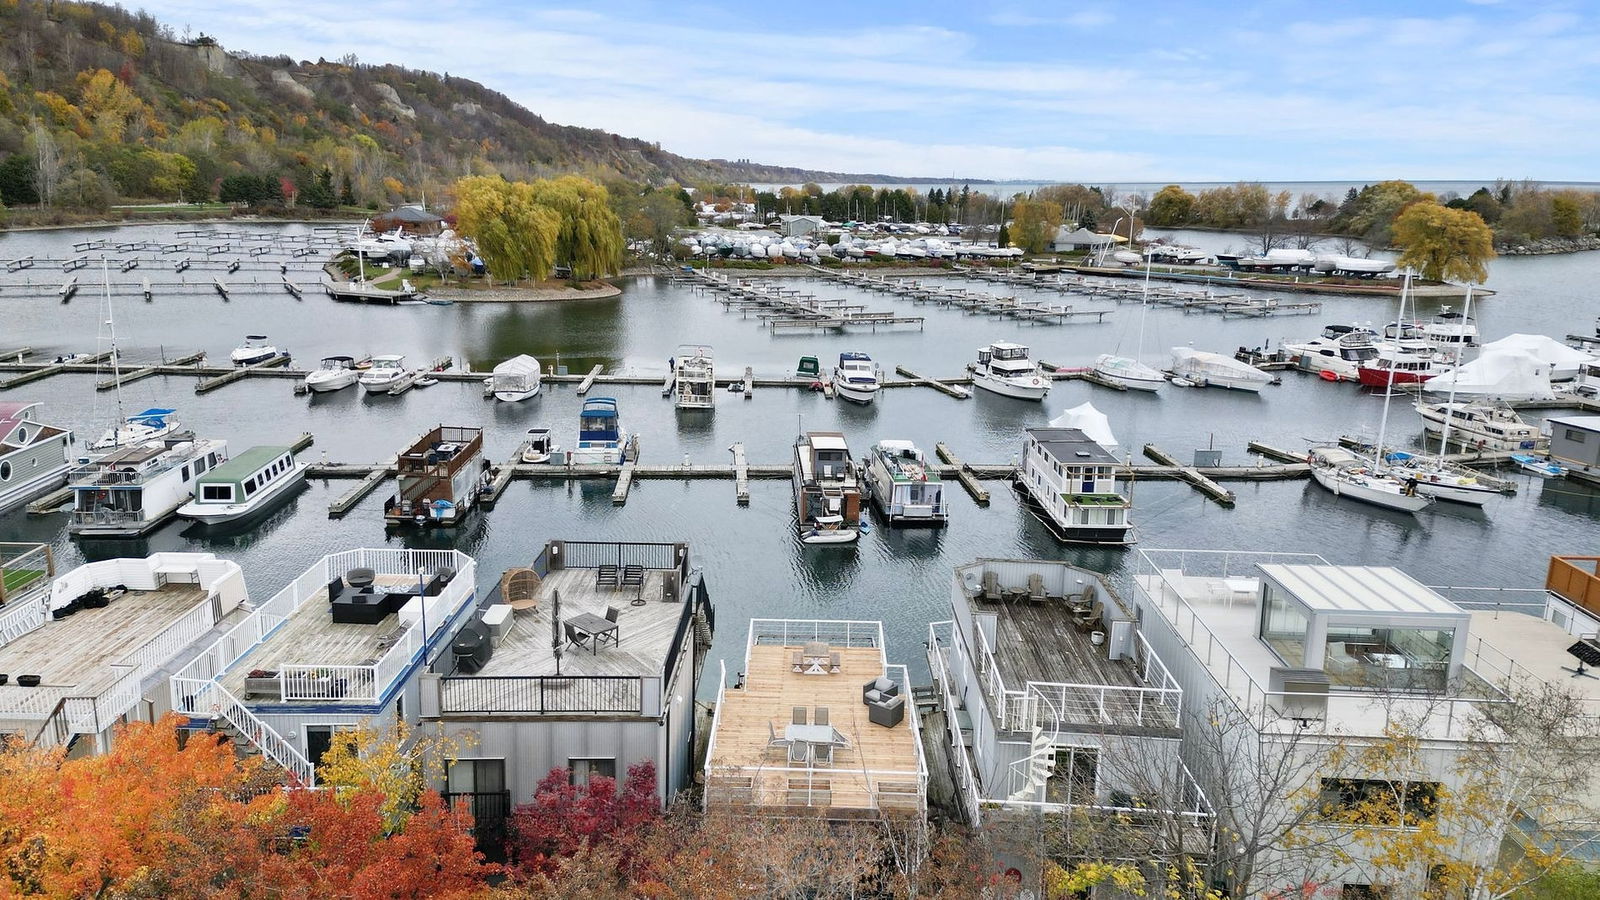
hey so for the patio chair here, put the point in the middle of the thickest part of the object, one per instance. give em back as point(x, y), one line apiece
point(821, 716)
point(605, 576)
point(772, 736)
point(633, 576)
point(575, 637)
point(615, 634)
point(822, 754)
point(799, 717)
point(1036, 588)
point(799, 752)
point(991, 587)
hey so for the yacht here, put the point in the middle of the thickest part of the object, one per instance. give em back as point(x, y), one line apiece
point(540, 447)
point(1006, 369)
point(857, 377)
point(255, 350)
point(131, 490)
point(1436, 478)
point(902, 486)
point(515, 379)
point(601, 440)
point(1347, 475)
point(1128, 372)
point(1204, 369)
point(335, 374)
point(1070, 484)
point(1393, 365)
point(1451, 331)
point(1495, 428)
point(827, 491)
point(437, 478)
point(151, 425)
point(385, 373)
point(1337, 354)
point(694, 378)
point(252, 482)
point(33, 455)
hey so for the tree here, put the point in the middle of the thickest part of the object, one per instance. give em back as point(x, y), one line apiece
point(1377, 206)
point(347, 194)
point(85, 189)
point(1034, 224)
point(17, 185)
point(1003, 239)
point(655, 217)
point(589, 237)
point(1444, 244)
point(47, 163)
point(515, 235)
point(1565, 216)
point(564, 817)
point(394, 764)
point(319, 193)
point(1172, 205)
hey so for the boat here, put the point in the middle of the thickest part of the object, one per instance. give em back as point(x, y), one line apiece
point(424, 380)
point(857, 377)
point(255, 350)
point(360, 291)
point(1565, 362)
point(133, 489)
point(694, 377)
point(1005, 368)
point(1394, 365)
point(1092, 422)
point(601, 440)
point(1207, 369)
point(386, 371)
point(1127, 371)
point(335, 374)
point(1340, 351)
point(1127, 257)
point(1439, 479)
point(1347, 475)
point(1509, 376)
point(515, 379)
point(1069, 482)
point(437, 478)
point(153, 424)
point(1351, 265)
point(250, 483)
point(1481, 427)
point(33, 455)
point(808, 367)
point(540, 447)
point(1450, 330)
point(1542, 466)
point(827, 490)
point(901, 485)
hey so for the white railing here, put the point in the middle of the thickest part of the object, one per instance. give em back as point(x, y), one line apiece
point(716, 722)
point(25, 617)
point(175, 637)
point(210, 699)
point(795, 632)
point(966, 781)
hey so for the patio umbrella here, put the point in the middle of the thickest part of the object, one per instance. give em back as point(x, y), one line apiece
point(555, 627)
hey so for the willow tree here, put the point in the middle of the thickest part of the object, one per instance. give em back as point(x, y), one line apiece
point(1444, 244)
point(515, 234)
point(1034, 224)
point(590, 234)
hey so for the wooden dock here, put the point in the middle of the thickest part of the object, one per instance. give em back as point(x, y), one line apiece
point(1276, 453)
point(619, 494)
point(963, 473)
point(502, 478)
point(941, 387)
point(375, 475)
point(18, 353)
point(50, 502)
point(212, 384)
point(147, 371)
point(45, 371)
point(741, 474)
point(1191, 475)
point(588, 380)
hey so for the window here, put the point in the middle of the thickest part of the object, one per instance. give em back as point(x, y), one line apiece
point(476, 776)
point(5, 471)
point(319, 738)
point(1407, 659)
point(1575, 436)
point(1377, 801)
point(200, 466)
point(185, 471)
point(219, 492)
point(1283, 626)
point(584, 769)
point(249, 487)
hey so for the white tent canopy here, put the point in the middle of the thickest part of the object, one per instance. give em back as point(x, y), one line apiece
point(1564, 362)
point(1510, 375)
point(1092, 422)
point(517, 373)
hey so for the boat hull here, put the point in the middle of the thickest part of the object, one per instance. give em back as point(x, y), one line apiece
point(16, 494)
point(1375, 496)
point(1035, 388)
point(516, 396)
point(1130, 382)
point(855, 393)
point(331, 383)
point(1094, 535)
point(1370, 377)
point(818, 536)
point(220, 513)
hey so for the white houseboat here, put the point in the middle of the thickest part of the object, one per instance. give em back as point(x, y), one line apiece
point(130, 491)
point(33, 455)
point(1006, 369)
point(694, 377)
point(250, 483)
point(515, 379)
point(857, 377)
point(1070, 483)
point(827, 491)
point(900, 483)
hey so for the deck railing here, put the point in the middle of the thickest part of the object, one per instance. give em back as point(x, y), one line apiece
point(593, 554)
point(834, 632)
point(941, 638)
point(544, 694)
point(1577, 579)
point(24, 568)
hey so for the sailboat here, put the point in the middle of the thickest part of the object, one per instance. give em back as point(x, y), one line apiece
point(1346, 475)
point(1127, 371)
point(148, 425)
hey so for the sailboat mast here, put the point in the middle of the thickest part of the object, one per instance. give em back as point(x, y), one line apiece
point(1444, 432)
point(116, 355)
point(1388, 393)
point(1144, 304)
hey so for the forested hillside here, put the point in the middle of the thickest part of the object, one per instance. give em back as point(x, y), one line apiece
point(99, 104)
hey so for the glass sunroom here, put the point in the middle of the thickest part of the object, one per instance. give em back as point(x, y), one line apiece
point(1367, 628)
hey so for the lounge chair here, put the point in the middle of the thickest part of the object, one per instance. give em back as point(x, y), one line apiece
point(991, 587)
point(1036, 588)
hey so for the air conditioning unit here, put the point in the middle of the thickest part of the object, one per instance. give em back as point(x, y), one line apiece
point(1298, 693)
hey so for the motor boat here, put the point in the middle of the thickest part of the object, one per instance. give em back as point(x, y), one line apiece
point(1450, 330)
point(255, 350)
point(1337, 354)
point(1396, 366)
point(1005, 368)
point(540, 447)
point(1351, 265)
point(385, 373)
point(1542, 466)
point(515, 379)
point(1565, 362)
point(1128, 372)
point(857, 378)
point(335, 374)
point(1480, 426)
point(1206, 369)
point(694, 379)
point(1346, 475)
point(152, 424)
point(601, 440)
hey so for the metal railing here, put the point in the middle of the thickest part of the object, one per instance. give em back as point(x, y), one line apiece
point(24, 568)
point(966, 781)
point(834, 632)
point(542, 694)
point(593, 554)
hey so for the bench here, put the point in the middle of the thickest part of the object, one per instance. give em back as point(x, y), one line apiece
point(606, 576)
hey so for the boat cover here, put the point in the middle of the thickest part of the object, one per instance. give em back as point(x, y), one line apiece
point(1565, 362)
point(1092, 422)
point(1513, 375)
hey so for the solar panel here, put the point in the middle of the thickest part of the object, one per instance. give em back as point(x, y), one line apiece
point(1587, 651)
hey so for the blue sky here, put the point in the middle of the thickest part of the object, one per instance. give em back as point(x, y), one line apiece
point(1146, 91)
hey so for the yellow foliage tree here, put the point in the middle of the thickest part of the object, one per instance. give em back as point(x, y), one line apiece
point(1034, 224)
point(516, 237)
point(590, 238)
point(398, 763)
point(1444, 244)
point(110, 105)
point(63, 112)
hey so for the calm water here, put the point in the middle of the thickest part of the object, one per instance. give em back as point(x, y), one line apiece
point(753, 565)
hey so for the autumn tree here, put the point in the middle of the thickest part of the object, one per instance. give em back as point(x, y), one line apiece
point(564, 817)
point(515, 235)
point(1034, 224)
point(1171, 206)
point(1444, 244)
point(396, 764)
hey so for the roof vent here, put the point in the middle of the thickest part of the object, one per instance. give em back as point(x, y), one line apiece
point(1083, 453)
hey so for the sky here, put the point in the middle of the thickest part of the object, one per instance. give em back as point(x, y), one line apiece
point(1133, 92)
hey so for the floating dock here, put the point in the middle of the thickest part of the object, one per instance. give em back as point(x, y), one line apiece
point(963, 474)
point(1192, 475)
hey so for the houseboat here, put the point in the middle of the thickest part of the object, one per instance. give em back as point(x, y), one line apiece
point(335, 374)
point(515, 379)
point(1005, 368)
point(252, 482)
point(900, 483)
point(827, 491)
point(33, 455)
point(1497, 428)
point(1070, 483)
point(131, 490)
point(438, 478)
point(694, 378)
point(857, 378)
point(601, 440)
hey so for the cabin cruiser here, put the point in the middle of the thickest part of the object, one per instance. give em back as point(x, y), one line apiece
point(1069, 482)
point(540, 447)
point(901, 485)
point(33, 455)
point(1005, 368)
point(1396, 366)
point(515, 379)
point(694, 377)
point(152, 424)
point(1481, 427)
point(601, 440)
point(1204, 369)
point(1451, 331)
point(255, 350)
point(133, 489)
point(250, 483)
point(857, 377)
point(1128, 372)
point(1347, 475)
point(827, 491)
point(1339, 351)
point(385, 373)
point(335, 374)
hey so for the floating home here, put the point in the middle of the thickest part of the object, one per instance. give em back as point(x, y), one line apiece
point(438, 478)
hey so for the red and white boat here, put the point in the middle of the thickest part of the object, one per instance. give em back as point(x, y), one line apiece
point(1394, 366)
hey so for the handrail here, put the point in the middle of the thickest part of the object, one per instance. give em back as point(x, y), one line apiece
point(246, 723)
point(23, 571)
point(857, 633)
point(716, 723)
point(966, 782)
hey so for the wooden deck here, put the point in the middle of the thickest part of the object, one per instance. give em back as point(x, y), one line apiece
point(877, 771)
point(645, 631)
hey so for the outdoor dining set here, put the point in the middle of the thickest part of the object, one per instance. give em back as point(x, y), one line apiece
point(587, 630)
point(808, 743)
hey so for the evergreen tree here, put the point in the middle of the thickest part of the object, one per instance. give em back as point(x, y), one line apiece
point(347, 194)
point(319, 193)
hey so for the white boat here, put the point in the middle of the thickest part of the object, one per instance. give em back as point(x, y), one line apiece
point(385, 372)
point(601, 440)
point(1542, 466)
point(1509, 376)
point(1340, 351)
point(1215, 370)
point(857, 377)
point(902, 486)
point(1070, 483)
point(827, 491)
point(245, 485)
point(694, 377)
point(1481, 427)
point(516, 379)
point(335, 374)
point(1005, 368)
point(254, 350)
point(1128, 372)
point(1351, 265)
point(1346, 475)
point(131, 490)
point(33, 455)
point(1451, 330)
point(1435, 478)
point(1092, 422)
point(540, 446)
point(151, 425)
point(1565, 362)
